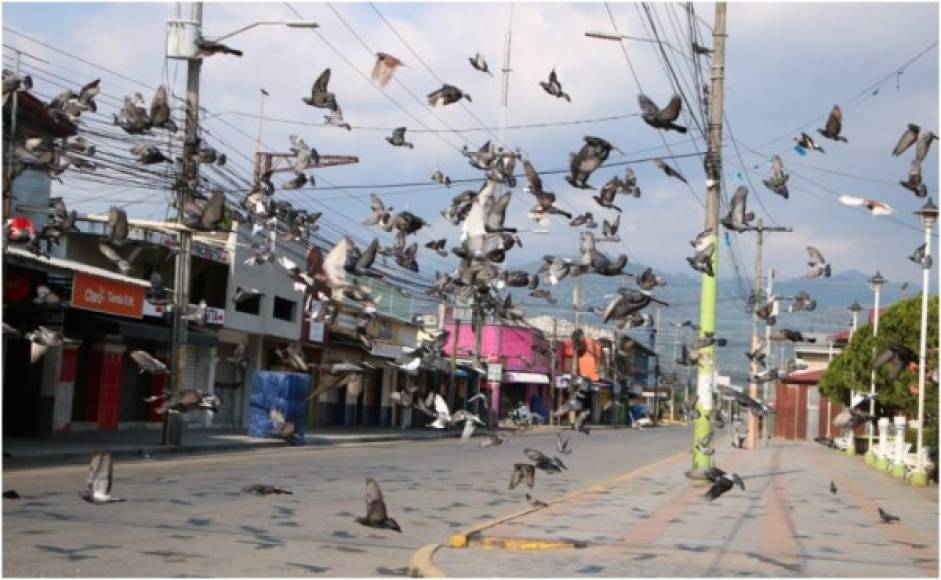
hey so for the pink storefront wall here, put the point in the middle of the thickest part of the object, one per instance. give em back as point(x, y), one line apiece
point(512, 344)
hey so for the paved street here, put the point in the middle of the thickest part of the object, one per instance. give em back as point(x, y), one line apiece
point(655, 522)
point(186, 516)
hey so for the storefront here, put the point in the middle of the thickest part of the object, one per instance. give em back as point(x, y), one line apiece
point(89, 382)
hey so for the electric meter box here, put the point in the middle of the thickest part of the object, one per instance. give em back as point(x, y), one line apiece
point(181, 38)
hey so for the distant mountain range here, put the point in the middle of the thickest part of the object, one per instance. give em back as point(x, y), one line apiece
point(682, 293)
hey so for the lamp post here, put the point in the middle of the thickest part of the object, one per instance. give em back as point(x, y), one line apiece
point(876, 283)
point(929, 217)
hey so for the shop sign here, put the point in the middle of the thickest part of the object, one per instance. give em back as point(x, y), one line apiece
point(107, 296)
point(213, 315)
point(210, 253)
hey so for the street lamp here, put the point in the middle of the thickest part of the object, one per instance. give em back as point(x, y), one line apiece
point(854, 309)
point(616, 36)
point(288, 23)
point(876, 283)
point(929, 217)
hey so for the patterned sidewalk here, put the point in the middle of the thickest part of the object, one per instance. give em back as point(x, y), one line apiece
point(654, 522)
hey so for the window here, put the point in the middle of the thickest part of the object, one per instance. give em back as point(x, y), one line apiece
point(250, 306)
point(284, 308)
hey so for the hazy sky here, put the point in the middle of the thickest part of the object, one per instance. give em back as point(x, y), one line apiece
point(787, 64)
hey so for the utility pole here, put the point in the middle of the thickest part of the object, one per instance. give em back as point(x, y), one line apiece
point(751, 420)
point(655, 378)
point(173, 422)
point(707, 309)
point(553, 391)
point(8, 170)
point(765, 387)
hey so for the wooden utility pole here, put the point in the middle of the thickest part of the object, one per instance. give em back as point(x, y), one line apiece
point(752, 421)
point(707, 312)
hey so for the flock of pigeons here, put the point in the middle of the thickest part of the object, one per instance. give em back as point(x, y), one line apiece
point(480, 279)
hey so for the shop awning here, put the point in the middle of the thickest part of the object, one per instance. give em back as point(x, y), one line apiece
point(521, 377)
point(26, 257)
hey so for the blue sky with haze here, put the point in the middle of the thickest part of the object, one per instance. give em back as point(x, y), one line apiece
point(787, 65)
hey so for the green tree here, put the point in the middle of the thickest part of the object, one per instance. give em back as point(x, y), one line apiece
point(849, 371)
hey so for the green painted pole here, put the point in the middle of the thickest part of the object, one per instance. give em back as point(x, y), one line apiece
point(707, 311)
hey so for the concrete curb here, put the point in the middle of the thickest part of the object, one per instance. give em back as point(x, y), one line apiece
point(464, 538)
point(144, 451)
point(311, 440)
point(421, 565)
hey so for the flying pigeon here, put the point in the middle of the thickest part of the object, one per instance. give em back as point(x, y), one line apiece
point(479, 63)
point(554, 87)
point(210, 47)
point(592, 155)
point(438, 246)
point(895, 358)
point(923, 145)
point(610, 230)
point(701, 50)
point(335, 119)
point(915, 183)
point(908, 138)
point(100, 478)
point(446, 95)
point(806, 142)
point(875, 207)
point(385, 67)
point(738, 217)
point(280, 426)
point(562, 445)
point(818, 266)
point(661, 118)
point(40, 340)
point(920, 257)
point(398, 139)
point(523, 473)
point(834, 125)
point(319, 96)
point(376, 514)
point(265, 489)
point(607, 193)
point(669, 171)
point(586, 219)
point(242, 294)
point(185, 401)
point(545, 200)
point(148, 363)
point(777, 181)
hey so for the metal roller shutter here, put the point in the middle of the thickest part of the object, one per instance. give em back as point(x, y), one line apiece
point(135, 387)
point(227, 388)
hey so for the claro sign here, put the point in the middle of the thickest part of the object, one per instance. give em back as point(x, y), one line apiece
point(108, 296)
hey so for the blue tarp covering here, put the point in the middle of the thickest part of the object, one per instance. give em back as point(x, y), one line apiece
point(637, 411)
point(286, 392)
